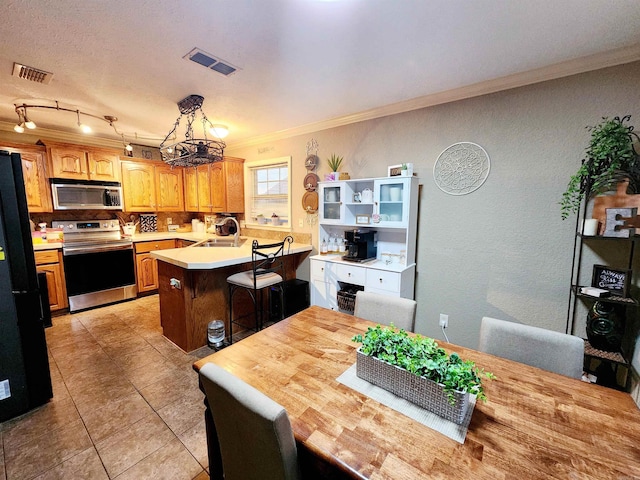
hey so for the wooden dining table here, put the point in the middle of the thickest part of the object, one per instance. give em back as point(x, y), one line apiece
point(535, 424)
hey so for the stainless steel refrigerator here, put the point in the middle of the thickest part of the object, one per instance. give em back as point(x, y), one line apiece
point(25, 380)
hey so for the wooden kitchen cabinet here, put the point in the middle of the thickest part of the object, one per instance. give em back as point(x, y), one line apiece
point(147, 267)
point(220, 186)
point(138, 186)
point(190, 189)
point(83, 163)
point(36, 182)
point(50, 262)
point(169, 188)
point(152, 187)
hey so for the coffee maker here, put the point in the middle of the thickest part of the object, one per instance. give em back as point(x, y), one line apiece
point(362, 245)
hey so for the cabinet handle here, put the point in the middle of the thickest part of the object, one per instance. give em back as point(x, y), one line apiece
point(380, 280)
point(349, 274)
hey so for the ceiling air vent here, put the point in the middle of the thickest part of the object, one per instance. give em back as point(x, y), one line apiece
point(32, 74)
point(209, 61)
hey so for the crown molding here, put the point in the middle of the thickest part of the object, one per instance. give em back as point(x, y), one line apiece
point(584, 64)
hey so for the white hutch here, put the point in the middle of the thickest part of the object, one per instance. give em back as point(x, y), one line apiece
point(388, 206)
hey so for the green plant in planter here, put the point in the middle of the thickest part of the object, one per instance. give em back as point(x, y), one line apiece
point(609, 159)
point(334, 162)
point(422, 356)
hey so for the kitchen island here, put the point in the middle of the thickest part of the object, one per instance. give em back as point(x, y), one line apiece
point(193, 287)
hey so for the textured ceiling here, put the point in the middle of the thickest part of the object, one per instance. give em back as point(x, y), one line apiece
point(301, 62)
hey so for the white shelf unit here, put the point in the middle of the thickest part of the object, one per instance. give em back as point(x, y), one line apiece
point(392, 213)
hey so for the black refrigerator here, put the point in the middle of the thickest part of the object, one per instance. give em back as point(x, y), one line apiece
point(25, 380)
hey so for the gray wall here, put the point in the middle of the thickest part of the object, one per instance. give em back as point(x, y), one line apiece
point(502, 250)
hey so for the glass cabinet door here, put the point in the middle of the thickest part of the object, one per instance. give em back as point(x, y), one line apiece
point(332, 202)
point(392, 200)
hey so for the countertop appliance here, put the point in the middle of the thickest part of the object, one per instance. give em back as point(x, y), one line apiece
point(99, 265)
point(25, 380)
point(226, 226)
point(362, 246)
point(85, 195)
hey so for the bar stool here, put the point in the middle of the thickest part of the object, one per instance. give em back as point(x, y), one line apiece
point(267, 271)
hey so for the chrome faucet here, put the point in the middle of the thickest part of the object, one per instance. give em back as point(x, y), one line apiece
point(236, 236)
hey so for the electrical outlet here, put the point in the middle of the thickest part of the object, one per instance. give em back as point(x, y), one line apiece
point(444, 320)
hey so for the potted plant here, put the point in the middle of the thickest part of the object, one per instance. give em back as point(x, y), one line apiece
point(609, 159)
point(334, 164)
point(415, 368)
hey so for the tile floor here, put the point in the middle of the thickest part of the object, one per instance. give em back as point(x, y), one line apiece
point(126, 403)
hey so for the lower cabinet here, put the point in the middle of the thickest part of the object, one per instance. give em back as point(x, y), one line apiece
point(50, 262)
point(326, 277)
point(147, 267)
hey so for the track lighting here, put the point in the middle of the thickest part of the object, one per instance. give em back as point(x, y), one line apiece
point(83, 128)
point(19, 127)
point(30, 124)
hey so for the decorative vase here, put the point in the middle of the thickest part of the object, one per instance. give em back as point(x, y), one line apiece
point(604, 327)
point(420, 391)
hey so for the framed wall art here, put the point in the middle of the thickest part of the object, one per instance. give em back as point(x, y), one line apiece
point(614, 280)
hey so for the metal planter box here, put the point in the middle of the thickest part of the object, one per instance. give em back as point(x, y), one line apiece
point(418, 390)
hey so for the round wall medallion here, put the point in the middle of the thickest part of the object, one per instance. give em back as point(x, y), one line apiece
point(461, 168)
point(311, 162)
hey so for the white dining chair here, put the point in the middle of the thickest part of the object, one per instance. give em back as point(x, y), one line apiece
point(254, 432)
point(553, 351)
point(385, 309)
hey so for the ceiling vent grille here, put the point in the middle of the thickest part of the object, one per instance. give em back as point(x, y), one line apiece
point(209, 61)
point(32, 74)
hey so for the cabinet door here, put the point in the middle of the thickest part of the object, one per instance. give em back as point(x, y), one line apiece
point(139, 187)
point(55, 285)
point(35, 182)
point(234, 179)
point(104, 165)
point(332, 205)
point(218, 187)
point(147, 272)
point(68, 162)
point(169, 189)
point(204, 189)
point(190, 189)
point(393, 201)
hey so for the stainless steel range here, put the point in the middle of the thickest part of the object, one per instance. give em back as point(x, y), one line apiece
point(99, 264)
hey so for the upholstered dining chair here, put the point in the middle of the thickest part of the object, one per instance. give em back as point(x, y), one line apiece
point(254, 432)
point(385, 309)
point(553, 351)
point(267, 261)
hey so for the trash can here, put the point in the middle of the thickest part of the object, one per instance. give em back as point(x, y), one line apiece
point(295, 298)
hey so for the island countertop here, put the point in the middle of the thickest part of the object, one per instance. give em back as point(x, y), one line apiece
point(202, 258)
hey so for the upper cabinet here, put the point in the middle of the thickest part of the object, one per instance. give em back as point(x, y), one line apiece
point(152, 187)
point(169, 188)
point(83, 163)
point(218, 187)
point(190, 189)
point(35, 177)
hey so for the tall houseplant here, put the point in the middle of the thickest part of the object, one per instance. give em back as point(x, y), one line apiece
point(609, 159)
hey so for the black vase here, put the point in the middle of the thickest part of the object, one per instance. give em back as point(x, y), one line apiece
point(605, 327)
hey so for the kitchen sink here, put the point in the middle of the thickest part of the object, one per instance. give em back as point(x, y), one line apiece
point(218, 242)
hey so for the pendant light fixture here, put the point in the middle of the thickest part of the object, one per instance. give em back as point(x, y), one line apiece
point(193, 151)
point(83, 127)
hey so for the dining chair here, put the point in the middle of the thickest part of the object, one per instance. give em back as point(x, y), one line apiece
point(553, 351)
point(385, 309)
point(254, 432)
point(267, 262)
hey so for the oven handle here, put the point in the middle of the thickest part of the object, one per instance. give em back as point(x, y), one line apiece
point(67, 251)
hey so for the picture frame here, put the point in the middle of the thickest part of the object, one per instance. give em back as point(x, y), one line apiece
point(614, 280)
point(363, 219)
point(400, 170)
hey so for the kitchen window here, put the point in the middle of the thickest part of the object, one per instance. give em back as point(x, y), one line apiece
point(267, 192)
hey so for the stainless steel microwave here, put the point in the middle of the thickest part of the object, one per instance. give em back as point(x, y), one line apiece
point(85, 195)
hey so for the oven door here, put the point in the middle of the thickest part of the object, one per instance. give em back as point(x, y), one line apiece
point(93, 271)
